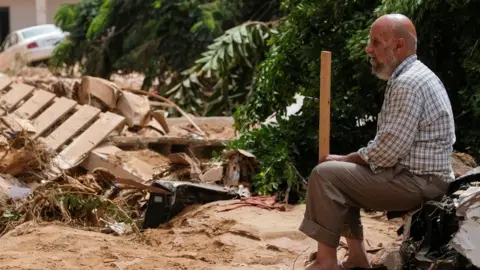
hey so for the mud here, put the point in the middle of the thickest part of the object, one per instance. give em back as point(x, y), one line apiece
point(200, 238)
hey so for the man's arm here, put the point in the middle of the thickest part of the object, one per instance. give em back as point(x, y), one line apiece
point(395, 136)
point(352, 158)
point(399, 128)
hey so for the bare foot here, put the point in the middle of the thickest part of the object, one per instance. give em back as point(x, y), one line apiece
point(317, 266)
point(351, 263)
point(357, 256)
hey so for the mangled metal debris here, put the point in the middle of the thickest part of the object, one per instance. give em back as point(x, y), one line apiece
point(162, 207)
point(444, 234)
point(239, 165)
point(467, 239)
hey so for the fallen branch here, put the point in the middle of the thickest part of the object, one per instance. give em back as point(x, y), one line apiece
point(161, 104)
point(182, 112)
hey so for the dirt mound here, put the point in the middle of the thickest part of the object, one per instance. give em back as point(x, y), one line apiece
point(213, 130)
point(200, 238)
point(462, 163)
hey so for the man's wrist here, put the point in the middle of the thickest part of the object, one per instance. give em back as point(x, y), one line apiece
point(354, 158)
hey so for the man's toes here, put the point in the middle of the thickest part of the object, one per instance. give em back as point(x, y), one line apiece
point(312, 266)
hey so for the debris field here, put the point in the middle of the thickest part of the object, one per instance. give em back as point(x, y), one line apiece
point(95, 174)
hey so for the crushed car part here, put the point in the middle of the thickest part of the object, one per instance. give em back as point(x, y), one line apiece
point(162, 207)
point(435, 234)
point(467, 239)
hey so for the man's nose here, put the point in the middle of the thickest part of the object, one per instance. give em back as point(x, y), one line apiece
point(369, 49)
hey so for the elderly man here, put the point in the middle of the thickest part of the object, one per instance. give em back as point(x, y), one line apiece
point(407, 163)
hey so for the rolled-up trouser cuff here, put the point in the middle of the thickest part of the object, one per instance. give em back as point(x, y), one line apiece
point(319, 233)
point(353, 231)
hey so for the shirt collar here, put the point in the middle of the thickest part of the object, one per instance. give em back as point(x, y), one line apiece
point(403, 66)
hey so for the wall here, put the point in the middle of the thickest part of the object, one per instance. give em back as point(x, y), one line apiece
point(53, 5)
point(22, 13)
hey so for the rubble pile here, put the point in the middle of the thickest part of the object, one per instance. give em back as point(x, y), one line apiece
point(43, 78)
point(467, 240)
point(97, 199)
point(108, 187)
point(84, 201)
point(443, 234)
point(145, 112)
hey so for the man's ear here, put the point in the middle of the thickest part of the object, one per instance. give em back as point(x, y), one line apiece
point(400, 43)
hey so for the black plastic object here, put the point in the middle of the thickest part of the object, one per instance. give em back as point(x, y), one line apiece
point(161, 208)
point(471, 176)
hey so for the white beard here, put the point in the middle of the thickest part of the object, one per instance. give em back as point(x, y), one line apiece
point(384, 71)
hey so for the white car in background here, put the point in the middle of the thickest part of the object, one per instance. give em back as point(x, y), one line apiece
point(33, 44)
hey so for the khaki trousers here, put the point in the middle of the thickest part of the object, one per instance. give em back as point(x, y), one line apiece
point(337, 190)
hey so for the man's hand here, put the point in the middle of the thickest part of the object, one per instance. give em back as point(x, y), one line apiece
point(335, 158)
point(352, 158)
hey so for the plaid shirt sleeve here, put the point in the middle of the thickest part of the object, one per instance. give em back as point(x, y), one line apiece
point(398, 130)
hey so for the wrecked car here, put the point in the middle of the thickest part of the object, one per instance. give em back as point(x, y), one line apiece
point(33, 44)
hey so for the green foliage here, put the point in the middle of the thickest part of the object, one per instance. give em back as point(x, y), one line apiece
point(293, 67)
point(75, 19)
point(277, 148)
point(75, 203)
point(223, 77)
point(80, 207)
point(448, 43)
point(277, 170)
point(154, 37)
point(63, 51)
point(151, 36)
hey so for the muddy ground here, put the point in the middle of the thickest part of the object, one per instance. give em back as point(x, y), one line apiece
point(200, 238)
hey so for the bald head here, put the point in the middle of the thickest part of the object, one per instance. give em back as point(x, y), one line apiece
point(400, 26)
point(392, 39)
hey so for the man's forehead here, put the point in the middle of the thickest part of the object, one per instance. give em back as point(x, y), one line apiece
point(380, 31)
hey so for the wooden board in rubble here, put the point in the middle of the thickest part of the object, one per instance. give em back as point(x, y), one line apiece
point(71, 130)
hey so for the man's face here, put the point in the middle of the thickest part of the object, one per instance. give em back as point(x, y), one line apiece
point(380, 49)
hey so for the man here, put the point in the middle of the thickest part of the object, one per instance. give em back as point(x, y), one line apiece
point(407, 163)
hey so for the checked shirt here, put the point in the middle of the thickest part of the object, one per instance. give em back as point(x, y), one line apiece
point(415, 127)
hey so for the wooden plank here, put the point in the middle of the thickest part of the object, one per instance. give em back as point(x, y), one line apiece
point(324, 110)
point(18, 92)
point(5, 81)
point(51, 115)
point(71, 127)
point(33, 105)
point(78, 150)
point(77, 107)
point(132, 168)
point(17, 124)
point(218, 120)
